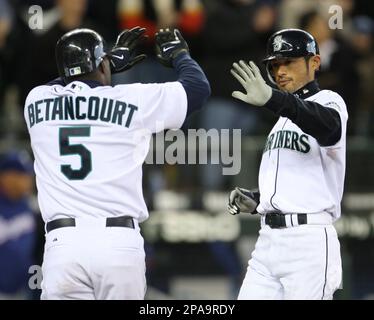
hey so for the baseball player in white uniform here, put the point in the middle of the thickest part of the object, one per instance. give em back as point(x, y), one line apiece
point(84, 136)
point(301, 178)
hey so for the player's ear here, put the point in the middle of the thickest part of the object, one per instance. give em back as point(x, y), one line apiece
point(315, 62)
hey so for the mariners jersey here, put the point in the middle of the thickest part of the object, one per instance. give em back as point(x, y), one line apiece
point(89, 144)
point(297, 173)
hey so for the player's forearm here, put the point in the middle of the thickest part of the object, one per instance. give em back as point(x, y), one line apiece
point(321, 122)
point(193, 80)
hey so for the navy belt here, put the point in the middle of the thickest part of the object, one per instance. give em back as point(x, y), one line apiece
point(122, 221)
point(278, 220)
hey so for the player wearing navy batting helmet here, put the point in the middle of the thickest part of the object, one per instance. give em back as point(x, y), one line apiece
point(89, 140)
point(301, 176)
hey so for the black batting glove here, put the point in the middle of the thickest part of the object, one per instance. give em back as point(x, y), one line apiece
point(169, 44)
point(122, 57)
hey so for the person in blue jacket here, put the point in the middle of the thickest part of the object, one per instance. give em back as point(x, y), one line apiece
point(17, 225)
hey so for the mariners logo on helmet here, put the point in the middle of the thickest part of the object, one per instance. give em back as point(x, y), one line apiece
point(279, 44)
point(289, 43)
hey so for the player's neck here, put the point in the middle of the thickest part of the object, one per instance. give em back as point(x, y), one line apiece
point(307, 90)
point(90, 83)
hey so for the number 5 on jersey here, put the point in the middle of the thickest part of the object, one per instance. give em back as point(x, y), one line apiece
point(67, 149)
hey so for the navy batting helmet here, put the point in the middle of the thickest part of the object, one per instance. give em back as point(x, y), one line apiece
point(289, 43)
point(79, 52)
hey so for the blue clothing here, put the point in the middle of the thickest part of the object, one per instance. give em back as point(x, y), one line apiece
point(16, 161)
point(17, 238)
point(194, 82)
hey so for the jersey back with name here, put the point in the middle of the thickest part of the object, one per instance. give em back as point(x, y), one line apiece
point(89, 144)
point(297, 175)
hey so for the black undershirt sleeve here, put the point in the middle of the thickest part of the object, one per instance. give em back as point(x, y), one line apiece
point(322, 123)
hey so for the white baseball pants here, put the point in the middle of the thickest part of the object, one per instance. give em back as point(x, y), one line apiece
point(92, 261)
point(301, 263)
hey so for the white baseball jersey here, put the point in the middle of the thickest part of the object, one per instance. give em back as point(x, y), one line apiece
point(90, 144)
point(297, 174)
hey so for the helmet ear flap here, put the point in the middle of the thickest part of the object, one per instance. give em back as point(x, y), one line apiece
point(270, 73)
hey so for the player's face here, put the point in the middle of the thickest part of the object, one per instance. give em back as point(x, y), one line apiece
point(292, 74)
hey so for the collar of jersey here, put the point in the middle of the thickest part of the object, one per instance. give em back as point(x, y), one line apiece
point(308, 90)
point(91, 83)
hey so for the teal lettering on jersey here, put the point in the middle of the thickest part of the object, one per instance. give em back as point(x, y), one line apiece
point(78, 114)
point(48, 103)
point(119, 111)
point(69, 108)
point(295, 141)
point(38, 116)
point(57, 109)
point(80, 108)
point(269, 142)
point(93, 108)
point(304, 141)
point(286, 139)
point(106, 110)
point(131, 113)
point(287, 142)
point(30, 111)
point(280, 139)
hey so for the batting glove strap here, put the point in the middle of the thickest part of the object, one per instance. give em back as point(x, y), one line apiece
point(169, 44)
point(243, 200)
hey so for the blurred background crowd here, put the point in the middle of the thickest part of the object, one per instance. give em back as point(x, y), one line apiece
point(194, 249)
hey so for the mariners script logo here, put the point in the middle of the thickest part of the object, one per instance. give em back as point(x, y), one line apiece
point(281, 45)
point(277, 43)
